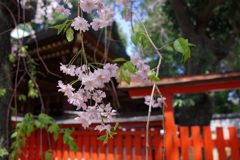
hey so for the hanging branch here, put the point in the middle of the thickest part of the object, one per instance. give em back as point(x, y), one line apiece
point(154, 83)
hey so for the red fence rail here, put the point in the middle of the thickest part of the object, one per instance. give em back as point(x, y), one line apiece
point(193, 143)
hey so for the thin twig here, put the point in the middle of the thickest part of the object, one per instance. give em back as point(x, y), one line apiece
point(95, 49)
point(37, 87)
point(6, 31)
point(45, 66)
point(154, 85)
point(164, 139)
point(167, 45)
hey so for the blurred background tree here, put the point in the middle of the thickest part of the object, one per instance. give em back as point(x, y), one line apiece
point(214, 27)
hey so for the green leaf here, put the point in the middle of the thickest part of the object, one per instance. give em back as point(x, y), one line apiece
point(181, 45)
point(102, 137)
point(143, 40)
point(125, 77)
point(105, 141)
point(65, 138)
point(30, 129)
point(48, 154)
point(23, 49)
point(38, 124)
point(153, 77)
point(41, 116)
point(116, 126)
point(28, 116)
point(11, 58)
point(73, 146)
point(70, 34)
point(32, 93)
point(55, 136)
point(3, 92)
point(135, 38)
point(139, 37)
point(14, 134)
point(187, 55)
point(119, 60)
point(130, 67)
point(31, 84)
point(68, 131)
point(59, 27)
point(53, 128)
point(22, 98)
point(3, 152)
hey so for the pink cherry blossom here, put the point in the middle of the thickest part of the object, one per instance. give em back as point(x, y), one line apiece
point(106, 13)
point(148, 99)
point(62, 10)
point(94, 112)
point(88, 5)
point(68, 69)
point(84, 119)
point(86, 95)
point(88, 81)
point(97, 23)
point(123, 2)
point(135, 58)
point(111, 68)
point(77, 100)
point(66, 89)
point(161, 100)
point(103, 127)
point(80, 24)
point(101, 77)
point(98, 95)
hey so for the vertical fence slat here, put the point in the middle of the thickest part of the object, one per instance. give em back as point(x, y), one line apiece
point(86, 140)
point(157, 143)
point(32, 145)
point(137, 147)
point(220, 144)
point(53, 147)
point(24, 153)
point(65, 151)
point(150, 147)
point(128, 145)
point(72, 155)
point(171, 143)
point(184, 143)
point(94, 154)
point(102, 155)
point(197, 143)
point(59, 147)
point(37, 150)
point(45, 141)
point(110, 149)
point(119, 145)
point(234, 143)
point(208, 143)
point(79, 143)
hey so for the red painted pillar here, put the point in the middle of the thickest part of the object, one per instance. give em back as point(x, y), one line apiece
point(171, 139)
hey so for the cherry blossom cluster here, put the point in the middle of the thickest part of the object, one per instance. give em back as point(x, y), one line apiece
point(142, 70)
point(159, 102)
point(89, 97)
point(104, 19)
point(105, 13)
point(126, 14)
point(89, 93)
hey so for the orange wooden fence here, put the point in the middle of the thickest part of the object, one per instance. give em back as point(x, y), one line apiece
point(184, 144)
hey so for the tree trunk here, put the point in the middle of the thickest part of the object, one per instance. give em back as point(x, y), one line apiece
point(211, 51)
point(5, 73)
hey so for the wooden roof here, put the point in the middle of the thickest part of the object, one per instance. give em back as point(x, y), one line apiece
point(186, 84)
